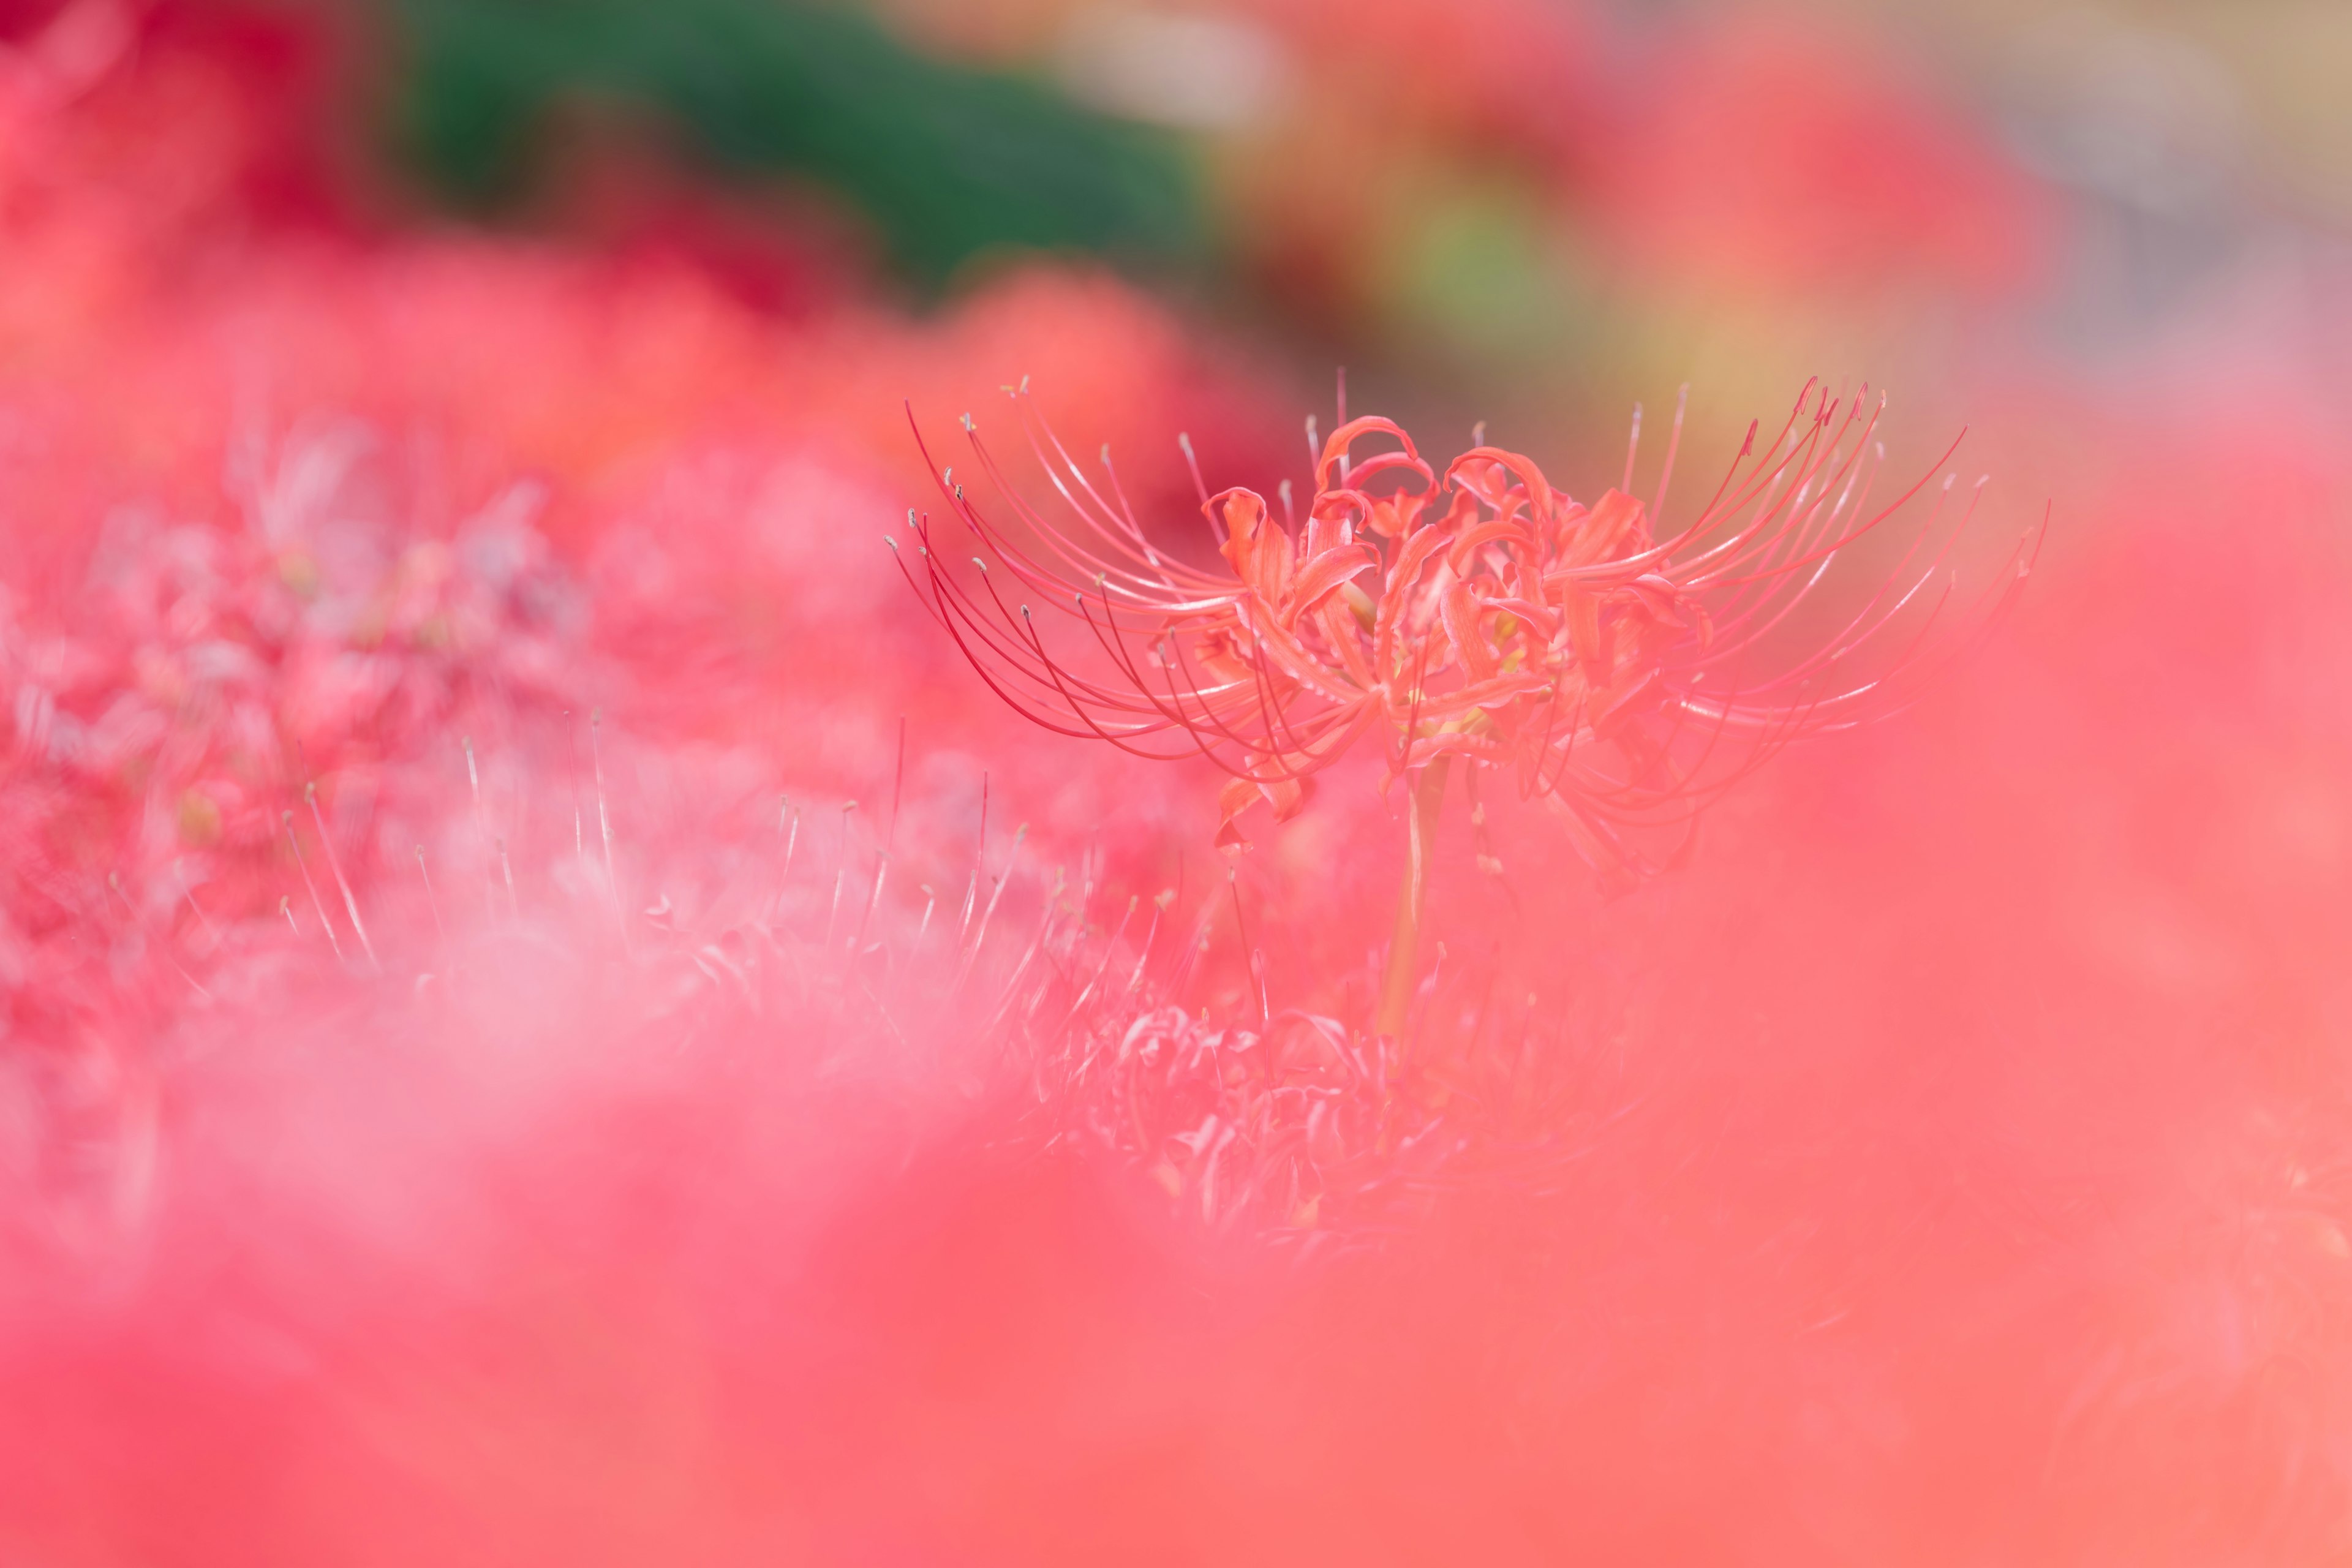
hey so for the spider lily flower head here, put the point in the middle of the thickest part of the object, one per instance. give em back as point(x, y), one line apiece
point(1608, 664)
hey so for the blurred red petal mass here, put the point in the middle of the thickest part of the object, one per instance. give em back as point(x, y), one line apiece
point(521, 1041)
point(1765, 158)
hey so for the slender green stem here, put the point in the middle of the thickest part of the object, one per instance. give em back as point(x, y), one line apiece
point(1412, 900)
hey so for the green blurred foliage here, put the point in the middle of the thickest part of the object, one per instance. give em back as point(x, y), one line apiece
point(946, 162)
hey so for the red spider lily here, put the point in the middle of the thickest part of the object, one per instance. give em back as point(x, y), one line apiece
point(1478, 613)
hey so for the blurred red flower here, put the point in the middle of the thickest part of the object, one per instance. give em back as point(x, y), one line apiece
point(1775, 159)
